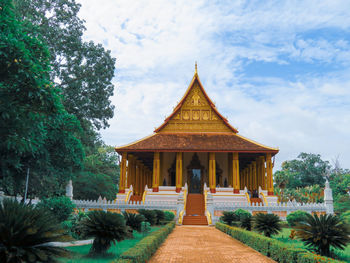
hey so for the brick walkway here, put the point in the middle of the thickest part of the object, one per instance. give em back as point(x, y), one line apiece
point(199, 244)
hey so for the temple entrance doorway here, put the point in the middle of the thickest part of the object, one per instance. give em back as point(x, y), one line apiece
point(195, 182)
point(195, 172)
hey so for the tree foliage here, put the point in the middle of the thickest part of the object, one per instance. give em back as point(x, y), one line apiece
point(82, 70)
point(61, 207)
point(37, 132)
point(100, 175)
point(307, 170)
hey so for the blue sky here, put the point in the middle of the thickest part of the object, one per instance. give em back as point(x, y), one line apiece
point(278, 70)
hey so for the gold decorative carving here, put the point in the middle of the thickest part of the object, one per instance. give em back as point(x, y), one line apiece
point(186, 114)
point(177, 116)
point(195, 115)
point(205, 115)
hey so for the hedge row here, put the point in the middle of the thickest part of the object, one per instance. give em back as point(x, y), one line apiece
point(144, 249)
point(272, 248)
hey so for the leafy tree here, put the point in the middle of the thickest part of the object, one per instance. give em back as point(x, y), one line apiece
point(100, 175)
point(82, 70)
point(268, 224)
point(26, 232)
point(308, 169)
point(105, 228)
point(37, 132)
point(322, 233)
point(61, 207)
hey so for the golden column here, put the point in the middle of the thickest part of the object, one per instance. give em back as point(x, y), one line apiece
point(122, 177)
point(229, 155)
point(254, 176)
point(212, 173)
point(262, 172)
point(178, 172)
point(250, 177)
point(156, 172)
point(269, 174)
point(129, 173)
point(137, 177)
point(142, 178)
point(235, 173)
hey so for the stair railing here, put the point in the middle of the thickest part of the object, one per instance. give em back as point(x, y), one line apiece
point(128, 195)
point(183, 211)
point(207, 213)
point(144, 194)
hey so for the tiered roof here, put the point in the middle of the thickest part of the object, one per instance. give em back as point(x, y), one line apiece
point(195, 125)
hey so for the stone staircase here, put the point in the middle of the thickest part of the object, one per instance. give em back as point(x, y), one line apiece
point(195, 210)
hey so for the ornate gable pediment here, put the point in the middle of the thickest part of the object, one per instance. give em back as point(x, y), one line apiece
point(195, 113)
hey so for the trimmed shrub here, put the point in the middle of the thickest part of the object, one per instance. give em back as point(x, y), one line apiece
point(241, 213)
point(160, 216)
point(272, 248)
point(150, 215)
point(145, 227)
point(144, 249)
point(296, 217)
point(61, 207)
point(169, 216)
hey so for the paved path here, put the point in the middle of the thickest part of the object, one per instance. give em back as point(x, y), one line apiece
point(199, 244)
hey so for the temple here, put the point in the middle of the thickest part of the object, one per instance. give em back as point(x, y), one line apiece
point(196, 150)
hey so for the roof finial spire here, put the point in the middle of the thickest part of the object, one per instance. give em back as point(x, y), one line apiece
point(195, 69)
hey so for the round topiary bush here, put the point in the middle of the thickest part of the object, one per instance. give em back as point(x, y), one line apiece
point(296, 217)
point(150, 215)
point(169, 216)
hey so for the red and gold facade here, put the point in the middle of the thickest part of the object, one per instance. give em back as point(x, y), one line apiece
point(196, 137)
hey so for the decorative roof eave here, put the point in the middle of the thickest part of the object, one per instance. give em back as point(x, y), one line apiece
point(126, 148)
point(195, 77)
point(120, 150)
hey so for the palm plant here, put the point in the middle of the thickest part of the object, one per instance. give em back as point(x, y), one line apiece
point(321, 233)
point(105, 228)
point(25, 233)
point(246, 222)
point(268, 224)
point(150, 215)
point(134, 220)
point(228, 217)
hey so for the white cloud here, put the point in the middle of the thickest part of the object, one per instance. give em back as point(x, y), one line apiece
point(157, 42)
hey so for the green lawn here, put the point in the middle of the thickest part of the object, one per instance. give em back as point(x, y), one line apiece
point(79, 253)
point(284, 237)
